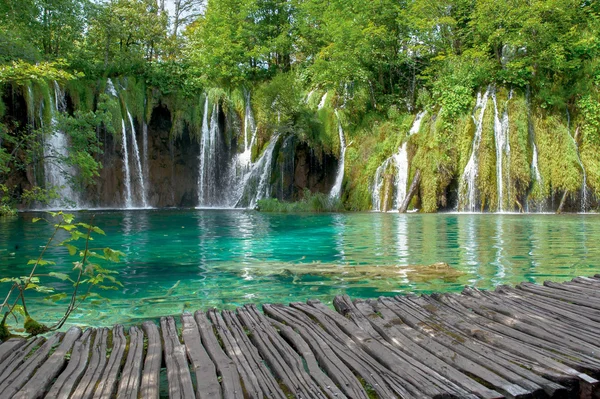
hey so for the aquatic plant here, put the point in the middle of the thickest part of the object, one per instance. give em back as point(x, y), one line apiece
point(89, 272)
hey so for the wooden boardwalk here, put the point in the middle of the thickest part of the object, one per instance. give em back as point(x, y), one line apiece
point(529, 341)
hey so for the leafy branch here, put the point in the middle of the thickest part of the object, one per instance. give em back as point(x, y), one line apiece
point(87, 274)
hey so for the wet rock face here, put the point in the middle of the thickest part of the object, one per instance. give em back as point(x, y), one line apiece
point(172, 167)
point(312, 172)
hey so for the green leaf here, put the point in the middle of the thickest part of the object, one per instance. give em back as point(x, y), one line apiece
point(61, 276)
point(112, 255)
point(35, 220)
point(68, 218)
point(56, 297)
point(41, 262)
point(72, 249)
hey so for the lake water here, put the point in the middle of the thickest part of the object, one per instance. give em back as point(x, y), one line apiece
point(196, 259)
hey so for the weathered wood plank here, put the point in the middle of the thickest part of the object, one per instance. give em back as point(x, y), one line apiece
point(150, 385)
point(544, 364)
point(495, 357)
point(207, 382)
point(266, 379)
point(8, 347)
point(326, 356)
point(107, 385)
point(14, 359)
point(558, 294)
point(367, 364)
point(20, 375)
point(388, 326)
point(303, 348)
point(129, 383)
point(562, 354)
point(87, 385)
point(39, 382)
point(252, 385)
point(66, 381)
point(178, 371)
point(282, 360)
point(230, 384)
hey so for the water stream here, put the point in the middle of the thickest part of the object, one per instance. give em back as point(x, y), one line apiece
point(468, 200)
point(336, 190)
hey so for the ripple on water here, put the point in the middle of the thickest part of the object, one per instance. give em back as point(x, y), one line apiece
point(183, 260)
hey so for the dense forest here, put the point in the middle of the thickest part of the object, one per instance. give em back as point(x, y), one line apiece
point(482, 104)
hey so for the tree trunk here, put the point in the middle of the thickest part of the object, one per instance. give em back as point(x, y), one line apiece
point(411, 192)
point(562, 202)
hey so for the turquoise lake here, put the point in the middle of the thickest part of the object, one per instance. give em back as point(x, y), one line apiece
point(178, 260)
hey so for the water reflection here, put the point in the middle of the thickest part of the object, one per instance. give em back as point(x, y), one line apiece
point(201, 258)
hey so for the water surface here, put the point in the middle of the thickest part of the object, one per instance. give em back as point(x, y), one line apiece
point(195, 259)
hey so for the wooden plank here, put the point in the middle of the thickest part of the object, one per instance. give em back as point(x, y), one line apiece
point(230, 378)
point(344, 306)
point(10, 346)
point(20, 375)
point(269, 385)
point(40, 381)
point(546, 319)
point(327, 357)
point(178, 371)
point(303, 348)
point(129, 383)
point(107, 385)
point(367, 360)
point(207, 382)
point(150, 385)
point(544, 364)
point(495, 359)
point(87, 385)
point(562, 354)
point(389, 327)
point(66, 381)
point(252, 381)
point(557, 337)
point(558, 294)
point(14, 359)
point(283, 361)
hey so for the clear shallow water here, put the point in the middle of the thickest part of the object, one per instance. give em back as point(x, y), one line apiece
point(195, 259)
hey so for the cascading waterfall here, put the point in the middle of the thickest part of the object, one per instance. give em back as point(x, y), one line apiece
point(127, 172)
point(207, 182)
point(501, 138)
point(55, 152)
point(138, 163)
point(336, 190)
point(110, 87)
point(400, 161)
point(261, 172)
point(322, 102)
point(145, 166)
point(468, 181)
point(584, 190)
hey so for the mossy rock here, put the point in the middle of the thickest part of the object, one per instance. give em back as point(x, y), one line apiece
point(4, 332)
point(32, 327)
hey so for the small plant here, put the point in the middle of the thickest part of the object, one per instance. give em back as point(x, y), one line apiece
point(87, 273)
point(311, 202)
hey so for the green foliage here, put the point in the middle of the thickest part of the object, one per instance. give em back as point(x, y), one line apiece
point(89, 272)
point(310, 202)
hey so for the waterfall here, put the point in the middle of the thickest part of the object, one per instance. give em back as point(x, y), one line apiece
point(145, 165)
point(126, 172)
point(336, 190)
point(110, 87)
point(207, 182)
point(400, 161)
point(468, 182)
point(56, 170)
point(138, 163)
point(501, 138)
point(322, 102)
point(584, 191)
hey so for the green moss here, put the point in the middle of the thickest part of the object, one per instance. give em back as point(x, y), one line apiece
point(520, 152)
point(82, 93)
point(32, 327)
point(311, 202)
point(486, 179)
point(4, 332)
point(557, 154)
